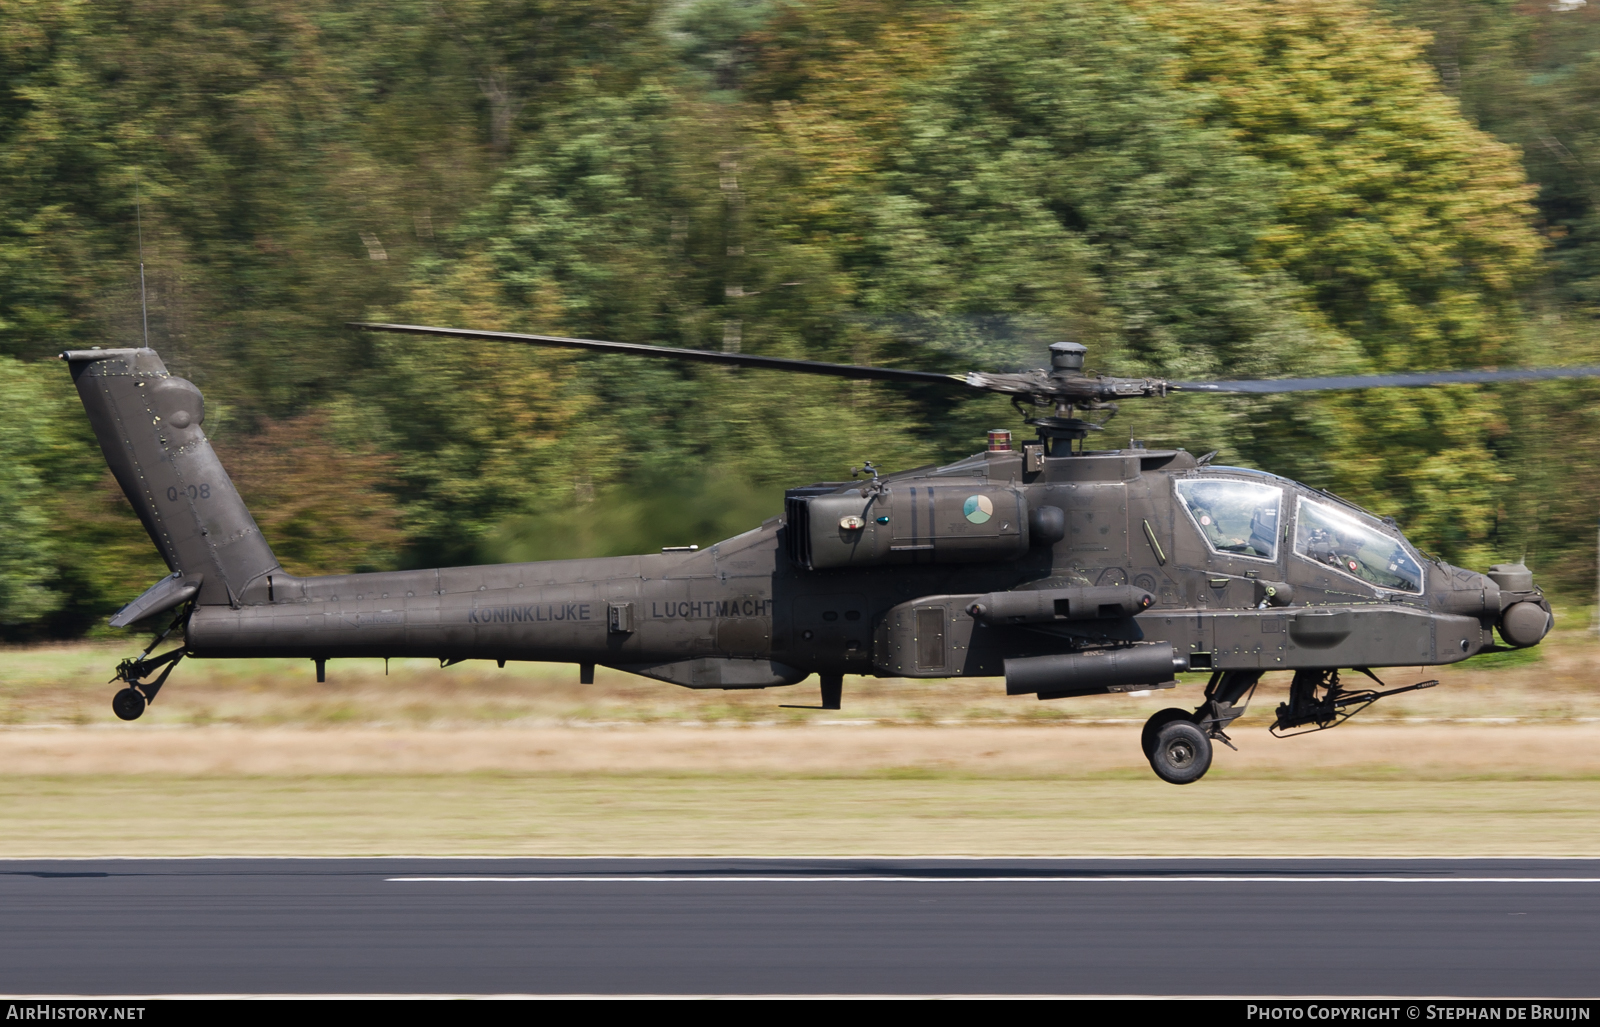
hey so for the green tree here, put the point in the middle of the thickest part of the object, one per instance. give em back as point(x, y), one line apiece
point(1194, 190)
point(27, 570)
point(623, 220)
point(1530, 74)
point(71, 549)
point(295, 161)
point(1253, 190)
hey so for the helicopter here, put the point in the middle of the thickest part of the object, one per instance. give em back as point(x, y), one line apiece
point(1066, 571)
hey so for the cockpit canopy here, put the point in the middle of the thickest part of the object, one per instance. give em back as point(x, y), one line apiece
point(1244, 518)
point(1336, 538)
point(1239, 518)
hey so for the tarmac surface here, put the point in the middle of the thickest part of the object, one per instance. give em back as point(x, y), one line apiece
point(883, 926)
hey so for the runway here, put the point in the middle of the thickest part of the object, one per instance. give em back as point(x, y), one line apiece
point(926, 926)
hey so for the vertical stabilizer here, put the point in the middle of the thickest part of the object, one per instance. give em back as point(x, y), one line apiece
point(148, 424)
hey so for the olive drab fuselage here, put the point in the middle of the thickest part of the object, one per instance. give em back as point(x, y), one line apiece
point(748, 611)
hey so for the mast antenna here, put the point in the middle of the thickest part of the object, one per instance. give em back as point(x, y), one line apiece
point(144, 310)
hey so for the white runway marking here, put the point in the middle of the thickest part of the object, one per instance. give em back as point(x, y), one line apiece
point(910, 879)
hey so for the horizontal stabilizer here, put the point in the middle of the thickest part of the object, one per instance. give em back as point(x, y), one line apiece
point(163, 595)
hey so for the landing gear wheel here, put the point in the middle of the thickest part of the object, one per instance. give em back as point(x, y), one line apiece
point(1182, 753)
point(1157, 721)
point(127, 704)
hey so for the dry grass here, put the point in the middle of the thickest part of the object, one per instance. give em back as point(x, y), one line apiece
point(1068, 790)
point(887, 815)
point(1370, 752)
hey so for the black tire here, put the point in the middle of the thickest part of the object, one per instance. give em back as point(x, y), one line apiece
point(127, 704)
point(1182, 753)
point(1157, 721)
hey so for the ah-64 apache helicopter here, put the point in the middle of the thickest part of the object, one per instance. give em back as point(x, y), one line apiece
point(1067, 571)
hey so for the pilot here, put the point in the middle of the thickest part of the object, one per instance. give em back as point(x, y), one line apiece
point(1214, 533)
point(1326, 547)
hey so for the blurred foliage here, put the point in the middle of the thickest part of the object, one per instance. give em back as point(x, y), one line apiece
point(718, 38)
point(1529, 73)
point(638, 516)
point(1195, 190)
point(1408, 232)
point(1504, 660)
point(1192, 189)
point(326, 507)
point(26, 567)
point(70, 545)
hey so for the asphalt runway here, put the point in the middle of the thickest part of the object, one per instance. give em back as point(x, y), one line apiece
point(927, 926)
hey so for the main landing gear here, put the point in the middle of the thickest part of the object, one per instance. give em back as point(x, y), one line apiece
point(1178, 742)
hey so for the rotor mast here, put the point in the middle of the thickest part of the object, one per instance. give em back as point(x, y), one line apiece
point(1066, 362)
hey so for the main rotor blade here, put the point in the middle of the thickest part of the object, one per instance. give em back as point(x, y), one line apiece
point(1039, 384)
point(705, 356)
point(1409, 380)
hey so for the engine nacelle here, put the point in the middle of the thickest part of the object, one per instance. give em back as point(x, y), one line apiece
point(959, 522)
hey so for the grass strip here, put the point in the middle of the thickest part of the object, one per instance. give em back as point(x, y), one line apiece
point(497, 814)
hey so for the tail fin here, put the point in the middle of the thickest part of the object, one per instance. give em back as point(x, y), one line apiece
point(148, 424)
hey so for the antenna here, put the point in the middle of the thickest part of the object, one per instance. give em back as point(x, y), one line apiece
point(144, 310)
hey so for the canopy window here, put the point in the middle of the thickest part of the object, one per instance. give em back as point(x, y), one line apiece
point(1237, 518)
point(1350, 545)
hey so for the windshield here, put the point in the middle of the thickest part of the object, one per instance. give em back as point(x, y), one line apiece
point(1239, 518)
point(1352, 546)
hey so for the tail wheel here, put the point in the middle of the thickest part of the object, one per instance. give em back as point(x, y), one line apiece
point(1182, 752)
point(1157, 721)
point(128, 704)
